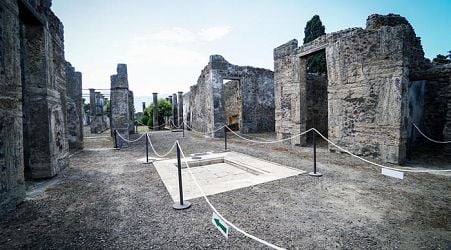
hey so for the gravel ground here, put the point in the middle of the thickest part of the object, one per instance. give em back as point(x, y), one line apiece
point(107, 199)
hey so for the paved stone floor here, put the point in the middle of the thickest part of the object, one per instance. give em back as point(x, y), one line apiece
point(219, 172)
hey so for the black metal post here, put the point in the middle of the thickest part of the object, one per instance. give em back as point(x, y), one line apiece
point(115, 139)
point(225, 138)
point(182, 204)
point(147, 149)
point(314, 173)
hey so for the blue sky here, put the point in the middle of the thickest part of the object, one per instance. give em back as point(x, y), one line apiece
point(167, 43)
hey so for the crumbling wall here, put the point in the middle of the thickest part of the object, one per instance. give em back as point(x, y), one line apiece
point(120, 114)
point(256, 90)
point(74, 108)
point(367, 72)
point(33, 136)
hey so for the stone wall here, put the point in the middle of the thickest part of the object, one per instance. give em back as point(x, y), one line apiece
point(74, 108)
point(33, 135)
point(368, 76)
point(120, 113)
point(256, 90)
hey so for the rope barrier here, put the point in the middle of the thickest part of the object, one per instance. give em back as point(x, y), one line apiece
point(206, 133)
point(377, 164)
point(216, 211)
point(173, 124)
point(156, 153)
point(268, 142)
point(160, 126)
point(120, 136)
point(425, 136)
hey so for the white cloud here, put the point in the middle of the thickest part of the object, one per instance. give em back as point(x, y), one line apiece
point(214, 33)
point(182, 35)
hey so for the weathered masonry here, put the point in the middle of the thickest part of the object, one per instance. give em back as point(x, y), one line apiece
point(252, 112)
point(121, 103)
point(370, 73)
point(74, 108)
point(33, 122)
point(98, 116)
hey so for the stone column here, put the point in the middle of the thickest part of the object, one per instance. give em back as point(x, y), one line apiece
point(144, 106)
point(120, 115)
point(155, 112)
point(170, 99)
point(447, 128)
point(92, 109)
point(12, 183)
point(180, 108)
point(74, 108)
point(174, 110)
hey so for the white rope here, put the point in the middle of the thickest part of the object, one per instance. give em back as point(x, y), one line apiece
point(216, 211)
point(160, 126)
point(173, 124)
point(120, 136)
point(156, 153)
point(376, 164)
point(268, 142)
point(206, 133)
point(425, 136)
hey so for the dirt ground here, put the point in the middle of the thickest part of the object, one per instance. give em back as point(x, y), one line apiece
point(109, 199)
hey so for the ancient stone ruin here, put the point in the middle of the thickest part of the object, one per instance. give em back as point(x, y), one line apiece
point(251, 96)
point(378, 83)
point(99, 120)
point(33, 102)
point(74, 108)
point(122, 111)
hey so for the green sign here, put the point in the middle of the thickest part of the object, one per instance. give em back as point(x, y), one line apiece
point(220, 225)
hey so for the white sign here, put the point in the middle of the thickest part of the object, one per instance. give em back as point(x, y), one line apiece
point(220, 225)
point(393, 173)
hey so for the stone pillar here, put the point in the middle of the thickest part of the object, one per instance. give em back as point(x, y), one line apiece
point(120, 115)
point(144, 106)
point(155, 112)
point(131, 108)
point(170, 99)
point(447, 128)
point(180, 108)
point(174, 110)
point(12, 183)
point(74, 108)
point(92, 109)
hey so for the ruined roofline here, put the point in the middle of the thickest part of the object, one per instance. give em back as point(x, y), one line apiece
point(374, 22)
point(218, 59)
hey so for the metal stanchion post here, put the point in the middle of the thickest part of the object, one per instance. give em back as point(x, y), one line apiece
point(147, 149)
point(115, 139)
point(225, 138)
point(183, 128)
point(314, 173)
point(182, 204)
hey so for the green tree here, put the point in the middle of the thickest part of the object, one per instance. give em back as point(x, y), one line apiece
point(313, 29)
point(164, 109)
point(441, 59)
